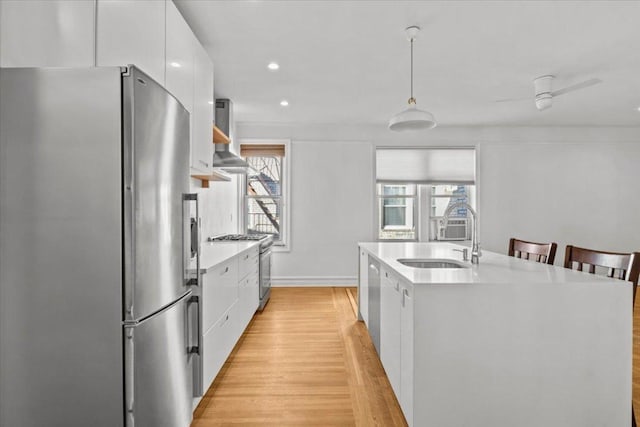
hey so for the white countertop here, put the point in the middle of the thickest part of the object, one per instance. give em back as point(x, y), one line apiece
point(493, 268)
point(215, 253)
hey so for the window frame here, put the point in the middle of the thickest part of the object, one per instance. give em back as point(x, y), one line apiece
point(380, 208)
point(284, 245)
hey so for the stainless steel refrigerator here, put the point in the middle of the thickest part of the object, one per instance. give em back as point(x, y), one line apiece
point(95, 305)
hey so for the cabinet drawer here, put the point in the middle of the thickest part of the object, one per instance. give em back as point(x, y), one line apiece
point(217, 344)
point(248, 301)
point(219, 291)
point(249, 260)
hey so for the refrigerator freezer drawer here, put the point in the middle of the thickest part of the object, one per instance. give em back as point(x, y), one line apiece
point(158, 366)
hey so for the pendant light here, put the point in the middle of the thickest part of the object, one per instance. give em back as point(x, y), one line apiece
point(412, 118)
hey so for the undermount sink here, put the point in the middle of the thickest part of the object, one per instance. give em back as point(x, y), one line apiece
point(431, 263)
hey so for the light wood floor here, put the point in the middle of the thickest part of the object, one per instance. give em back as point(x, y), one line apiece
point(304, 361)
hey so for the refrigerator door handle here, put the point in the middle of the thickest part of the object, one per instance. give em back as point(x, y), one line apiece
point(195, 349)
point(194, 237)
point(129, 376)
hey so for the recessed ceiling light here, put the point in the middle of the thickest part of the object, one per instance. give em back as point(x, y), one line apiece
point(638, 108)
point(175, 65)
point(210, 102)
point(284, 103)
point(273, 66)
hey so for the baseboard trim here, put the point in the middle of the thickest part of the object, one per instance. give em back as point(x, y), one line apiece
point(317, 281)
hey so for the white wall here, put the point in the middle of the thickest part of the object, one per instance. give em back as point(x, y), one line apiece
point(571, 193)
point(586, 193)
point(330, 181)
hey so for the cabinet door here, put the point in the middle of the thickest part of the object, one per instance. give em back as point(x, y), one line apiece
point(132, 32)
point(179, 57)
point(390, 311)
point(248, 300)
point(406, 350)
point(373, 285)
point(363, 287)
point(47, 33)
point(202, 116)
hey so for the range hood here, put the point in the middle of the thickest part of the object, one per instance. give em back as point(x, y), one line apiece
point(222, 157)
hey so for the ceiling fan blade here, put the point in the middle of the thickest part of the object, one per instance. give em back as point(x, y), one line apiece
point(511, 99)
point(576, 86)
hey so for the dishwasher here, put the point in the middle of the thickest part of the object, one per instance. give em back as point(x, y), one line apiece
point(374, 302)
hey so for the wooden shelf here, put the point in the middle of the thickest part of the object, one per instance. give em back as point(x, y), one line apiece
point(214, 176)
point(219, 137)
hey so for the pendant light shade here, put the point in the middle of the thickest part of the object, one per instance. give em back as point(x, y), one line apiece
point(412, 118)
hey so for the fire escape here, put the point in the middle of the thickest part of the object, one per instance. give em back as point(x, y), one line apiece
point(264, 187)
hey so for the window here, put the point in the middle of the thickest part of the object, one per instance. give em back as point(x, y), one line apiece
point(415, 185)
point(265, 190)
point(397, 211)
point(458, 226)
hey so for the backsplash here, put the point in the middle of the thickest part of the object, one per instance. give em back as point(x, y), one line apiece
point(218, 206)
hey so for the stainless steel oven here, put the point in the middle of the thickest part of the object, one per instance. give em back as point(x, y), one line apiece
point(265, 273)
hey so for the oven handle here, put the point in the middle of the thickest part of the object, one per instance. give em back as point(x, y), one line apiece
point(265, 253)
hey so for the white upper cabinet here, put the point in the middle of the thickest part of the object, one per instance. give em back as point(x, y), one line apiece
point(180, 43)
point(47, 33)
point(132, 32)
point(202, 115)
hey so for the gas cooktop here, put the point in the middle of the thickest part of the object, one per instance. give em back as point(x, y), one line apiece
point(228, 237)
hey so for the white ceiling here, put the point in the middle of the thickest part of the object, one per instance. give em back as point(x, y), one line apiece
point(348, 61)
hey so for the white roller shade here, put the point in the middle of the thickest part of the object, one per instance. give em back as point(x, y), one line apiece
point(426, 165)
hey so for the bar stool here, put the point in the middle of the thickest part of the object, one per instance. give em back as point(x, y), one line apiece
point(626, 264)
point(539, 252)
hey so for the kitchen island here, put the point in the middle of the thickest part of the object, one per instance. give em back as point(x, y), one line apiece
point(507, 342)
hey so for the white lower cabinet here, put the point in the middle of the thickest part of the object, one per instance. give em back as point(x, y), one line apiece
point(230, 298)
point(363, 286)
point(396, 338)
point(390, 324)
point(406, 351)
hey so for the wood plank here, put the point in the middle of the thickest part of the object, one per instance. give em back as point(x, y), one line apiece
point(213, 176)
point(305, 360)
point(220, 137)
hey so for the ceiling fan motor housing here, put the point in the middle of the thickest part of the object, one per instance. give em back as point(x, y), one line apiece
point(542, 86)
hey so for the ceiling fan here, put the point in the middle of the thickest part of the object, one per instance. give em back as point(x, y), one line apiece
point(544, 94)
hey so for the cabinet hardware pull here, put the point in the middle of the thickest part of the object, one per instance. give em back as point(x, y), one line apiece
point(405, 296)
point(193, 197)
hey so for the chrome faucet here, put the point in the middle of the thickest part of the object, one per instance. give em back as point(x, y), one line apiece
point(476, 253)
